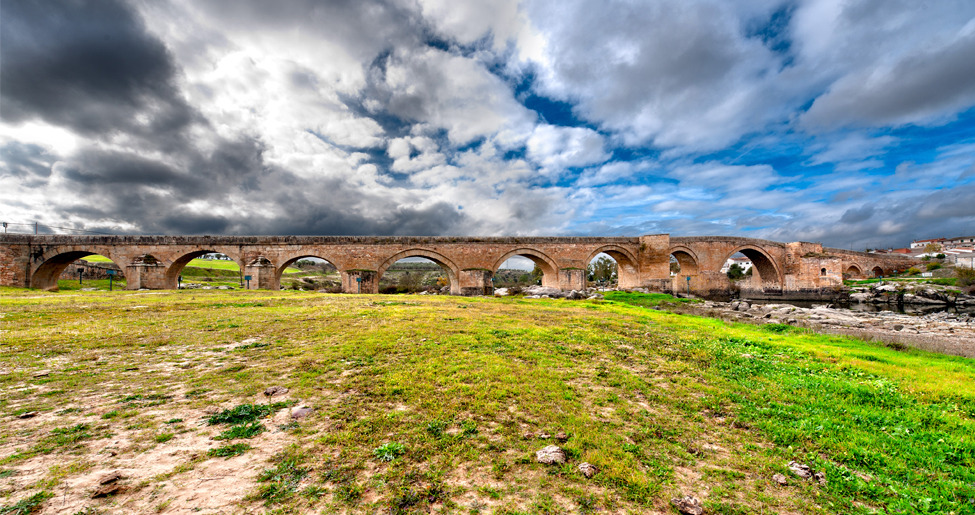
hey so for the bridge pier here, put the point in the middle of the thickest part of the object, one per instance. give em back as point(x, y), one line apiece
point(572, 279)
point(360, 281)
point(475, 281)
point(263, 276)
point(149, 276)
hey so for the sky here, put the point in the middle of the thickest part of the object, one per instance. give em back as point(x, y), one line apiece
point(850, 123)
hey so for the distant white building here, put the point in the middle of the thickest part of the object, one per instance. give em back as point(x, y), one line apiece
point(946, 243)
point(743, 262)
point(965, 261)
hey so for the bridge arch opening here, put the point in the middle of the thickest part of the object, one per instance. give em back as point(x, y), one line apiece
point(308, 272)
point(612, 264)
point(877, 271)
point(853, 272)
point(756, 268)
point(78, 269)
point(415, 270)
point(684, 270)
point(543, 268)
point(219, 265)
point(602, 271)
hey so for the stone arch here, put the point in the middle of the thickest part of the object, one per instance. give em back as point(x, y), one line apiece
point(45, 276)
point(687, 259)
point(550, 271)
point(438, 258)
point(853, 270)
point(290, 260)
point(768, 272)
point(627, 270)
point(174, 269)
point(877, 271)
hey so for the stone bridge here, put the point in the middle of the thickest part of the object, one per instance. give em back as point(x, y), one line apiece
point(796, 270)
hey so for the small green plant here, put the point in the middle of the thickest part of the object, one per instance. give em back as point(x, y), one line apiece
point(7, 473)
point(164, 437)
point(349, 493)
point(933, 266)
point(174, 421)
point(280, 481)
point(246, 413)
point(913, 270)
point(436, 428)
point(111, 414)
point(468, 428)
point(27, 506)
point(229, 451)
point(241, 431)
point(389, 451)
point(62, 436)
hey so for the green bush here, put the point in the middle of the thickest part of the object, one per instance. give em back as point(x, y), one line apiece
point(913, 270)
point(966, 277)
point(933, 266)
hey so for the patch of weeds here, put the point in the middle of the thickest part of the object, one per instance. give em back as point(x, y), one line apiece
point(468, 428)
point(229, 451)
point(7, 473)
point(111, 414)
point(198, 392)
point(246, 413)
point(280, 482)
point(232, 368)
point(314, 492)
point(780, 328)
point(154, 399)
point(68, 411)
point(63, 436)
point(174, 421)
point(289, 426)
point(27, 506)
point(389, 451)
point(252, 345)
point(587, 504)
point(241, 431)
point(349, 493)
point(499, 467)
point(436, 428)
point(164, 437)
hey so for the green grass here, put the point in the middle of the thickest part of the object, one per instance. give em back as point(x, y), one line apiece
point(243, 430)
point(211, 264)
point(27, 506)
point(229, 451)
point(664, 404)
point(941, 281)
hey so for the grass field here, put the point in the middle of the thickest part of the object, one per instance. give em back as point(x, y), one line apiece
point(212, 264)
point(436, 403)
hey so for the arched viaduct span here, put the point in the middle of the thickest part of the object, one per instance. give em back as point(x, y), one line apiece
point(155, 262)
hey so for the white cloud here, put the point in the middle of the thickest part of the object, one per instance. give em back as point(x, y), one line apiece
point(556, 148)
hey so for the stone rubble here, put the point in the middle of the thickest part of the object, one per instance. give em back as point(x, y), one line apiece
point(688, 505)
point(550, 455)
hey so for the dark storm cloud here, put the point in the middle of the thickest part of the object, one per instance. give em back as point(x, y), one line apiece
point(108, 169)
point(852, 216)
point(25, 160)
point(88, 65)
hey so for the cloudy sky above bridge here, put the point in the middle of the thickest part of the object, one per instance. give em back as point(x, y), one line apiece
point(846, 122)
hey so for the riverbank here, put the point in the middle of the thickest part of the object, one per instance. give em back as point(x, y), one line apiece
point(945, 332)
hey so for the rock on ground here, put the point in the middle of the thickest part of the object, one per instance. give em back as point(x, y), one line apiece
point(550, 455)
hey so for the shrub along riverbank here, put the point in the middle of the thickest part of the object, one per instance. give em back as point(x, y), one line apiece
point(420, 402)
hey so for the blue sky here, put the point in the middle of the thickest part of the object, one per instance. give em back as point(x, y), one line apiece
point(842, 122)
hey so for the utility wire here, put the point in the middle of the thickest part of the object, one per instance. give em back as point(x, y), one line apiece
point(54, 227)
